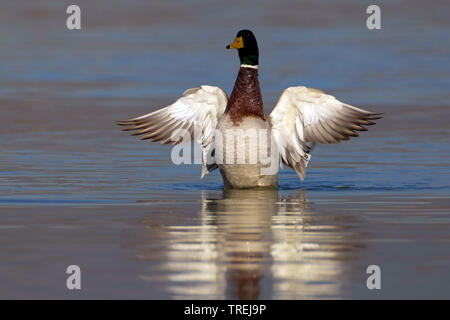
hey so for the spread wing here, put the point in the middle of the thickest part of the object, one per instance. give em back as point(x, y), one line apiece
point(196, 112)
point(304, 116)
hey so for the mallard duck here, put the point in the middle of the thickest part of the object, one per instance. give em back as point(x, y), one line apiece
point(301, 118)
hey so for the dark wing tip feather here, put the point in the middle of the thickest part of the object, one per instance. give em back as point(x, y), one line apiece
point(343, 126)
point(123, 122)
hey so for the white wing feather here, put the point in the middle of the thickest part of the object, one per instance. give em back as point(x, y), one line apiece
point(304, 116)
point(197, 111)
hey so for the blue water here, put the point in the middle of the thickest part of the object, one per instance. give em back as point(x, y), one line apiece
point(75, 189)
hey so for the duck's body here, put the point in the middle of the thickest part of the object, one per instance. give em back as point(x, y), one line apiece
point(244, 114)
point(239, 139)
point(248, 174)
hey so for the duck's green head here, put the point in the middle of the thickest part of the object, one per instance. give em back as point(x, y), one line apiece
point(247, 47)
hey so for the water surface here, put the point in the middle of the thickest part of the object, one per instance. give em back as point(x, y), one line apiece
point(74, 189)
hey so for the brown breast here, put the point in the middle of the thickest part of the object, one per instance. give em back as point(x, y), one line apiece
point(245, 100)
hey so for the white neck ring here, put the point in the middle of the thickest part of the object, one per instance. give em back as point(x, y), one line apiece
point(249, 66)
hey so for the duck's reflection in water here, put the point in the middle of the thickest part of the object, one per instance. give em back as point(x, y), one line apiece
point(254, 244)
